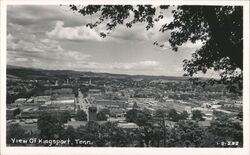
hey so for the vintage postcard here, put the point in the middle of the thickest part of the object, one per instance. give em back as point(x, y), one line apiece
point(114, 77)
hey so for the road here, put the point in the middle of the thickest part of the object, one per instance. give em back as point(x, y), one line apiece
point(83, 103)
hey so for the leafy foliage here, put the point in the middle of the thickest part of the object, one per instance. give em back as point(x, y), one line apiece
point(70, 133)
point(184, 115)
point(141, 118)
point(197, 115)
point(81, 115)
point(65, 116)
point(131, 115)
point(173, 115)
point(101, 116)
point(15, 131)
point(160, 113)
point(186, 134)
point(50, 125)
point(227, 130)
point(90, 132)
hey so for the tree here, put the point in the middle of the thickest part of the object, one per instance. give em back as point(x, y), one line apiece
point(120, 138)
point(131, 115)
point(158, 136)
point(173, 115)
point(186, 134)
point(50, 125)
point(115, 136)
point(146, 135)
point(107, 132)
point(184, 115)
point(219, 28)
point(142, 118)
point(226, 129)
point(197, 115)
point(135, 105)
point(161, 113)
point(93, 134)
point(240, 115)
point(81, 115)
point(70, 133)
point(54, 96)
point(65, 116)
point(106, 111)
point(14, 131)
point(101, 116)
point(75, 91)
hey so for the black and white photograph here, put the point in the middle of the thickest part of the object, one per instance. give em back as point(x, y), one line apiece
point(125, 75)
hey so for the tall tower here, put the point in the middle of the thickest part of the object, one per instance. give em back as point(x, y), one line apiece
point(92, 113)
point(89, 81)
point(56, 83)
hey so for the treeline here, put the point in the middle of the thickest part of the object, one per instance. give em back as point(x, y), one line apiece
point(184, 133)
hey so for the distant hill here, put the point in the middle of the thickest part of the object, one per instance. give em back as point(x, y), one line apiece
point(34, 73)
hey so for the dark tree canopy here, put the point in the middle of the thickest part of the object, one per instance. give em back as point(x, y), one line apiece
point(81, 115)
point(184, 115)
point(141, 118)
point(65, 117)
point(186, 134)
point(173, 115)
point(101, 116)
point(219, 28)
point(131, 115)
point(50, 125)
point(197, 115)
point(15, 131)
point(160, 113)
point(225, 129)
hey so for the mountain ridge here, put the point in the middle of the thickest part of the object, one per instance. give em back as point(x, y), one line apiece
point(30, 73)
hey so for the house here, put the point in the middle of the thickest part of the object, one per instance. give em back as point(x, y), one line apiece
point(30, 100)
point(206, 123)
point(41, 99)
point(77, 124)
point(128, 125)
point(110, 103)
point(20, 100)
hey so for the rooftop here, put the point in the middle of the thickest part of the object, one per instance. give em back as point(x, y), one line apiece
point(128, 125)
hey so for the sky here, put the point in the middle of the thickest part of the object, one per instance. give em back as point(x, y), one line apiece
point(53, 37)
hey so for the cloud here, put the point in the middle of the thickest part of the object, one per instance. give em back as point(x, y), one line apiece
point(60, 31)
point(149, 63)
point(44, 53)
point(28, 15)
point(195, 45)
point(142, 65)
point(139, 33)
point(78, 55)
point(136, 33)
point(73, 33)
point(10, 42)
point(115, 67)
point(21, 59)
point(61, 23)
point(32, 45)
